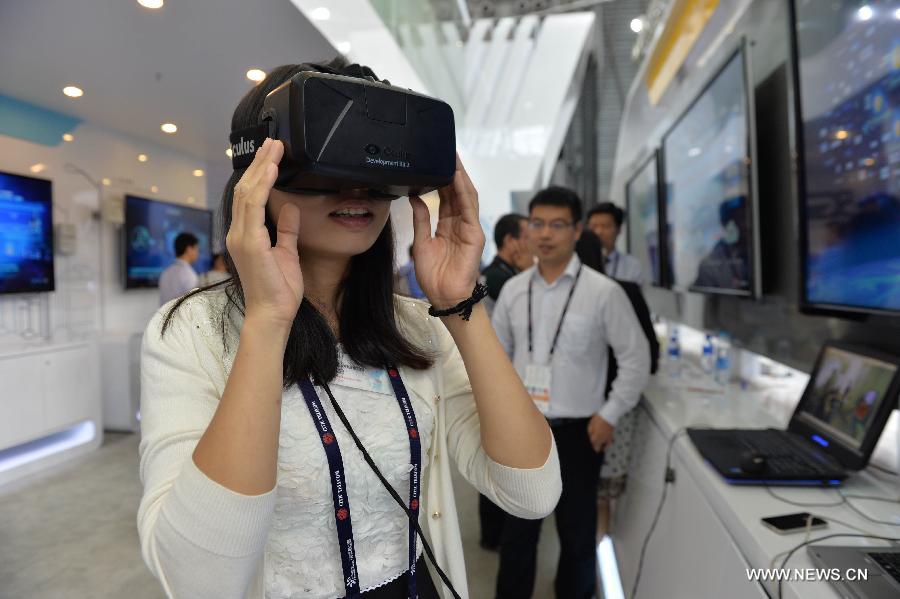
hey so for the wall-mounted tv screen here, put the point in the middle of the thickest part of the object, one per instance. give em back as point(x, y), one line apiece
point(26, 234)
point(150, 231)
point(848, 79)
point(642, 201)
point(710, 207)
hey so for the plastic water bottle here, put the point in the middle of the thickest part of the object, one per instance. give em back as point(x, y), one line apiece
point(723, 359)
point(707, 359)
point(673, 353)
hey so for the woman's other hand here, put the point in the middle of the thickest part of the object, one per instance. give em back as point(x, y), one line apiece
point(270, 275)
point(447, 262)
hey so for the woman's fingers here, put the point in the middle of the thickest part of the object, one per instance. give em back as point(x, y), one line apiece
point(421, 220)
point(257, 196)
point(243, 188)
point(288, 228)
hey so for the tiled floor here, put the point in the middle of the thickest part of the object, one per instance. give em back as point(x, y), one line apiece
point(71, 534)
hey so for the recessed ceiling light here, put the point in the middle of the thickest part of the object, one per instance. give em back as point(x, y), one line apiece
point(343, 47)
point(320, 14)
point(228, 152)
point(154, 188)
point(256, 75)
point(68, 137)
point(106, 181)
point(169, 127)
point(198, 172)
point(865, 13)
point(637, 24)
point(842, 134)
point(73, 92)
point(142, 158)
point(36, 168)
point(151, 4)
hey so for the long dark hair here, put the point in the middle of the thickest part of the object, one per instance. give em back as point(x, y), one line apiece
point(368, 328)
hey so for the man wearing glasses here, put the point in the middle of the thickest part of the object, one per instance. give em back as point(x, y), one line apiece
point(557, 321)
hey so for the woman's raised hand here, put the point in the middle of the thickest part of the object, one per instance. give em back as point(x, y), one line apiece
point(447, 262)
point(270, 275)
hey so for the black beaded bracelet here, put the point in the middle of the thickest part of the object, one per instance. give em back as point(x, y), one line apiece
point(463, 308)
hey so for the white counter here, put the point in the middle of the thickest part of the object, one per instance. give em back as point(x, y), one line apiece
point(709, 532)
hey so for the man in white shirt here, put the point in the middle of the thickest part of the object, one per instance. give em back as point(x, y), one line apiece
point(557, 321)
point(180, 277)
point(606, 220)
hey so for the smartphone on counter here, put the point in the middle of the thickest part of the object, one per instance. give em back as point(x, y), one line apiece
point(793, 522)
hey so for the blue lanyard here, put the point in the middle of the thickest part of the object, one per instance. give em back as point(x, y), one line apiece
point(339, 484)
point(615, 264)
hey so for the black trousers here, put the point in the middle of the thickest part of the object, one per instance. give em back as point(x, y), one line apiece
point(576, 524)
point(399, 587)
point(491, 518)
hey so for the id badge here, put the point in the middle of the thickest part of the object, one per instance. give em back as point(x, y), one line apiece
point(537, 383)
point(359, 377)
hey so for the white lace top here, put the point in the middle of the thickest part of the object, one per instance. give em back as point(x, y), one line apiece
point(204, 541)
point(302, 556)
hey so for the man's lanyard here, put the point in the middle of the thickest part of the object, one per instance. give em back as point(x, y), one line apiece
point(562, 316)
point(339, 481)
point(614, 269)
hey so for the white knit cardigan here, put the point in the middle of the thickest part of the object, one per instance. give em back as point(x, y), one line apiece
point(202, 540)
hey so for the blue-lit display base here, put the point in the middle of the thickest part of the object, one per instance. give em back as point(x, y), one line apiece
point(24, 459)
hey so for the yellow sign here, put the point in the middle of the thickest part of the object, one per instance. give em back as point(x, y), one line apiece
point(684, 25)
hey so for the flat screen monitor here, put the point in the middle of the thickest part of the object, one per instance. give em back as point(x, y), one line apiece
point(150, 231)
point(709, 184)
point(26, 234)
point(642, 203)
point(847, 56)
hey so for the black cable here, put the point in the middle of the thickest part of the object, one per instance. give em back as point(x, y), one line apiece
point(883, 469)
point(798, 504)
point(662, 500)
point(390, 489)
point(866, 516)
point(845, 499)
point(810, 541)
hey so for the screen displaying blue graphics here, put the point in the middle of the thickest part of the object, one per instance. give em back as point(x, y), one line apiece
point(642, 199)
point(150, 231)
point(848, 68)
point(26, 234)
point(709, 208)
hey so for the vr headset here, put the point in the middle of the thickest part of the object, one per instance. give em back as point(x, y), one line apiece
point(344, 133)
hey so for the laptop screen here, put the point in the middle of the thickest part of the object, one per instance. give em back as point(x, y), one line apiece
point(845, 394)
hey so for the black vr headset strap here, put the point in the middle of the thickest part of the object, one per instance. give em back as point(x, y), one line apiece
point(246, 142)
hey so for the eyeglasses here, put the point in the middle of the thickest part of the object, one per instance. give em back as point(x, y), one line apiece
point(555, 225)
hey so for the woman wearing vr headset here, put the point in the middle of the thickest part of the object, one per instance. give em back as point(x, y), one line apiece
point(299, 419)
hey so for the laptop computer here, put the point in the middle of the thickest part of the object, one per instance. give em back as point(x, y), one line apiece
point(862, 572)
point(834, 428)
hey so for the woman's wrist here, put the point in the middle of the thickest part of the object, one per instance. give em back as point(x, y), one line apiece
point(275, 330)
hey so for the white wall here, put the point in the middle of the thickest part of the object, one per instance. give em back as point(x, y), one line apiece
point(73, 311)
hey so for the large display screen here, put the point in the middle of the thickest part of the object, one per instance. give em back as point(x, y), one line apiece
point(642, 198)
point(848, 70)
point(26, 234)
point(150, 231)
point(709, 190)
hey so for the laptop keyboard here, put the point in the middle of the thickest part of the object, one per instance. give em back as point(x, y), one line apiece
point(782, 456)
point(889, 562)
